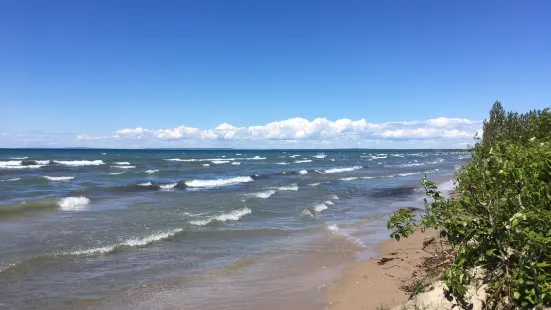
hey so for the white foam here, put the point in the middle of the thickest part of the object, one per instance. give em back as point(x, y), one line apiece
point(73, 203)
point(122, 163)
point(320, 155)
point(329, 202)
point(378, 157)
point(349, 179)
point(135, 242)
point(116, 173)
point(302, 161)
point(314, 184)
point(336, 231)
point(294, 156)
point(151, 238)
point(103, 153)
point(303, 172)
point(59, 178)
point(17, 164)
point(282, 163)
point(76, 163)
point(332, 159)
point(307, 212)
point(151, 171)
point(219, 182)
point(42, 162)
point(98, 250)
point(264, 195)
point(334, 197)
point(197, 159)
point(206, 165)
point(339, 170)
point(124, 167)
point(292, 187)
point(145, 184)
point(178, 159)
point(407, 174)
point(320, 207)
point(218, 162)
point(18, 158)
point(256, 158)
point(237, 154)
point(224, 217)
point(11, 180)
point(236, 163)
point(168, 186)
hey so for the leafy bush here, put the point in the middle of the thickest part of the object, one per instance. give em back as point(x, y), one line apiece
point(501, 221)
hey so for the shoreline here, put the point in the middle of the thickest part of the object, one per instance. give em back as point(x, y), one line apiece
point(376, 283)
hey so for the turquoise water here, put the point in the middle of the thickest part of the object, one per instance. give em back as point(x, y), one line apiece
point(193, 229)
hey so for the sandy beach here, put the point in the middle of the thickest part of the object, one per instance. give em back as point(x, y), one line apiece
point(371, 285)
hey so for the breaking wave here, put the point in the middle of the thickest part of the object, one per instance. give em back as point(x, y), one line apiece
point(263, 195)
point(168, 186)
point(18, 164)
point(10, 180)
point(219, 182)
point(224, 217)
point(124, 167)
point(334, 229)
point(348, 179)
point(320, 207)
point(73, 203)
point(76, 163)
point(339, 170)
point(292, 187)
point(59, 178)
point(135, 242)
point(218, 162)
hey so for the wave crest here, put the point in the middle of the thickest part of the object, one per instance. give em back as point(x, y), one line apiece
point(218, 182)
point(59, 178)
point(224, 217)
point(76, 163)
point(73, 203)
point(339, 170)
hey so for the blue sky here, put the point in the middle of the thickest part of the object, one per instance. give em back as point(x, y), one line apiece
point(85, 73)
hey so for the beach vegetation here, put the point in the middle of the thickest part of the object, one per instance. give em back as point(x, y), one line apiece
point(500, 221)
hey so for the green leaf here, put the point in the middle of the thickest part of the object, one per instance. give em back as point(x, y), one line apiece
point(490, 252)
point(516, 295)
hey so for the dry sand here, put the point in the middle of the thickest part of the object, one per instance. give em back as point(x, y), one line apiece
point(367, 285)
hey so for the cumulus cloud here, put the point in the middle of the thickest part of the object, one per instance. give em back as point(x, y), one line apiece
point(318, 130)
point(439, 132)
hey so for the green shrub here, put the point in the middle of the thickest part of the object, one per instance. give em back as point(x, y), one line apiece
point(501, 221)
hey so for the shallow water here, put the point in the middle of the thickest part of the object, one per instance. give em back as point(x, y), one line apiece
point(186, 229)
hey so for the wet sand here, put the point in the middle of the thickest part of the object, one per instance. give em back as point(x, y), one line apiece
point(367, 285)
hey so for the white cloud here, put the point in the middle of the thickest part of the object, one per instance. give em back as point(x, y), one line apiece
point(295, 132)
point(317, 130)
point(445, 122)
point(425, 133)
